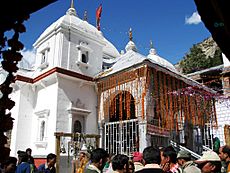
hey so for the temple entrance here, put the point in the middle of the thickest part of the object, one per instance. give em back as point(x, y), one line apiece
point(121, 132)
point(122, 137)
point(122, 107)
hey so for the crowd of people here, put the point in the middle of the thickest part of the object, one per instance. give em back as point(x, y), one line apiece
point(157, 160)
point(152, 160)
point(25, 164)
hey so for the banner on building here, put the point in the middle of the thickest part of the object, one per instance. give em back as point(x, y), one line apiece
point(158, 131)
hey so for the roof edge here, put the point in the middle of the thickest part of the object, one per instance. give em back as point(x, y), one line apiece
point(51, 71)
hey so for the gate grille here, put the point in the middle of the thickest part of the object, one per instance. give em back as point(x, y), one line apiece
point(122, 137)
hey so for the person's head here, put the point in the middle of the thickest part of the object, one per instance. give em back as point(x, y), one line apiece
point(22, 156)
point(183, 157)
point(131, 167)
point(151, 155)
point(9, 165)
point(29, 151)
point(169, 155)
point(161, 153)
point(137, 157)
point(226, 153)
point(221, 154)
point(51, 159)
point(209, 162)
point(120, 162)
point(82, 155)
point(99, 157)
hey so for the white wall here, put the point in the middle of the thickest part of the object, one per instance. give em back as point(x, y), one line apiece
point(15, 96)
point(23, 113)
point(72, 90)
point(46, 100)
point(63, 52)
point(223, 118)
point(70, 54)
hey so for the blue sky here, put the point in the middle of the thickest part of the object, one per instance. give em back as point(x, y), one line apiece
point(162, 21)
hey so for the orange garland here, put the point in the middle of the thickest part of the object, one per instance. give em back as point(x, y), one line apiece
point(167, 106)
point(166, 100)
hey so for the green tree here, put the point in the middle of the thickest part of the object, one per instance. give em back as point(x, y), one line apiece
point(194, 61)
point(217, 58)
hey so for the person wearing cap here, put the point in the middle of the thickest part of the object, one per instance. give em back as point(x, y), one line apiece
point(184, 160)
point(209, 162)
point(138, 161)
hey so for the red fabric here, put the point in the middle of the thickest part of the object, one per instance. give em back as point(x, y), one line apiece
point(39, 161)
point(98, 12)
point(98, 16)
point(137, 156)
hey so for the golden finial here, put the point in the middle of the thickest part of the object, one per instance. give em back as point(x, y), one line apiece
point(130, 34)
point(85, 16)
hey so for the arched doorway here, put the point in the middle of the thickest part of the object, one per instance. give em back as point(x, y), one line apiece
point(121, 132)
point(122, 107)
point(77, 127)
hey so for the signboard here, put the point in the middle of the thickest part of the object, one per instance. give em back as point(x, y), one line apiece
point(158, 131)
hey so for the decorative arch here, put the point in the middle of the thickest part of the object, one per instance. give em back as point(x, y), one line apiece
point(122, 107)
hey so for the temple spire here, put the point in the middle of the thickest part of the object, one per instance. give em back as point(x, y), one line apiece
point(71, 10)
point(151, 44)
point(85, 16)
point(130, 34)
point(72, 4)
point(131, 45)
point(152, 51)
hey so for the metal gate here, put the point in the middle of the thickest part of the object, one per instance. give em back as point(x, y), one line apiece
point(122, 137)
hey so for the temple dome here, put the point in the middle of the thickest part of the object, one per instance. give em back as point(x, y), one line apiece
point(71, 21)
point(109, 50)
point(131, 46)
point(163, 62)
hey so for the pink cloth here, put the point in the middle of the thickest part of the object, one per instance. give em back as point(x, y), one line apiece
point(137, 157)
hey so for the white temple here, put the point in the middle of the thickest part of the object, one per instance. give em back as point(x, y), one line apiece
point(64, 90)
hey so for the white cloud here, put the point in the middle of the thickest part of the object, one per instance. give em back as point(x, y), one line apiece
point(28, 59)
point(193, 19)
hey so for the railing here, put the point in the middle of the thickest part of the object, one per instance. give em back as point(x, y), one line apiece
point(121, 137)
point(206, 148)
point(195, 155)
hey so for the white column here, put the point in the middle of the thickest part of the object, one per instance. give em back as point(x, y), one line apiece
point(142, 135)
point(70, 116)
point(101, 125)
point(79, 55)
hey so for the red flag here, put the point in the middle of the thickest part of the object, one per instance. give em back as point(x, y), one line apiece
point(98, 16)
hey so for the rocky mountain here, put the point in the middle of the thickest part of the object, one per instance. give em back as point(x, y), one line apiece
point(201, 56)
point(209, 47)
